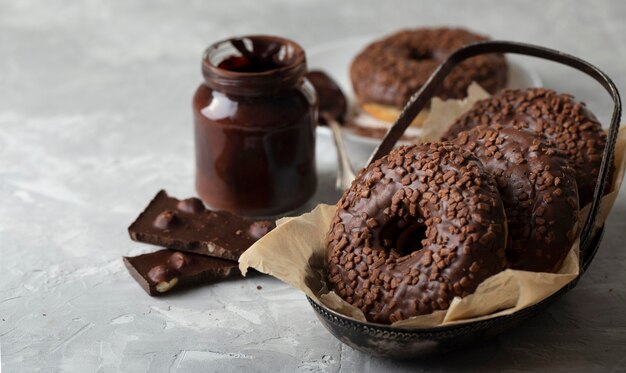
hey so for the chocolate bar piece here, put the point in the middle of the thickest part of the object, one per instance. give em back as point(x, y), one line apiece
point(166, 270)
point(186, 225)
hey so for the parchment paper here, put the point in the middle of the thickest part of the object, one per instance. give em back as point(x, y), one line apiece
point(444, 112)
point(295, 251)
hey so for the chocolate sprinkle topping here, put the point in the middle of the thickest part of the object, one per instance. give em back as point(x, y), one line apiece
point(538, 190)
point(417, 228)
point(573, 129)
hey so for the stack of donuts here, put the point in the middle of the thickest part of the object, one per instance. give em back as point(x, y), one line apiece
point(430, 222)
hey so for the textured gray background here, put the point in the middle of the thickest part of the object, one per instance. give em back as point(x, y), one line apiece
point(95, 118)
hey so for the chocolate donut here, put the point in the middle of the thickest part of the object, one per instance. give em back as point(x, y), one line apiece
point(573, 129)
point(388, 71)
point(538, 190)
point(416, 228)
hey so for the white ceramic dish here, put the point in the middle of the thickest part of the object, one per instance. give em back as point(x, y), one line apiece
point(335, 57)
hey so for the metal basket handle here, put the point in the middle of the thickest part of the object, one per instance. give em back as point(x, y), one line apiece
point(419, 100)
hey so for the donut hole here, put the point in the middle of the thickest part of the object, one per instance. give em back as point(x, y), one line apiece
point(420, 55)
point(403, 237)
point(410, 239)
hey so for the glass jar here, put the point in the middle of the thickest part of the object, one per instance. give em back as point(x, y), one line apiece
point(255, 118)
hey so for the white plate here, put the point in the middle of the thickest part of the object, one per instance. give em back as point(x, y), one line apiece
point(335, 57)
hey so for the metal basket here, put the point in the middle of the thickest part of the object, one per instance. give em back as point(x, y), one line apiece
point(408, 343)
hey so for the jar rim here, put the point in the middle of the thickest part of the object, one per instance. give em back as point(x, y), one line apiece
point(288, 57)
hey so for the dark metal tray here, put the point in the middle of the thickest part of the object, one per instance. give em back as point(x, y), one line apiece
point(407, 343)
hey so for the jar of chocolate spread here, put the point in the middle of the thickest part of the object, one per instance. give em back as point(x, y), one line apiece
point(255, 118)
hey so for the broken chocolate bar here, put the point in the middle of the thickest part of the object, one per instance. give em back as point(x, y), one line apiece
point(186, 225)
point(165, 270)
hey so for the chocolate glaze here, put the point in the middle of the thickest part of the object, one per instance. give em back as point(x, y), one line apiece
point(332, 101)
point(538, 190)
point(255, 127)
point(417, 228)
point(573, 129)
point(187, 225)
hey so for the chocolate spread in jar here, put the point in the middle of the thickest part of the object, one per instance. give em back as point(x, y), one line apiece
point(255, 127)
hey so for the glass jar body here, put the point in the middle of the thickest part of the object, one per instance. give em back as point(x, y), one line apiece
point(255, 154)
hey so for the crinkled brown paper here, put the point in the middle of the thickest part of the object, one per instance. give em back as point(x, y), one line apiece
point(295, 252)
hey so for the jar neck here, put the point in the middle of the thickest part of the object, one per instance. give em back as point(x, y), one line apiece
point(254, 65)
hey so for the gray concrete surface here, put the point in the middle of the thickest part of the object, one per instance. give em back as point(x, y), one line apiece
point(95, 118)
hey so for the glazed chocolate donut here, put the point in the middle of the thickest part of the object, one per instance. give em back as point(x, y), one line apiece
point(416, 228)
point(557, 117)
point(538, 190)
point(389, 71)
